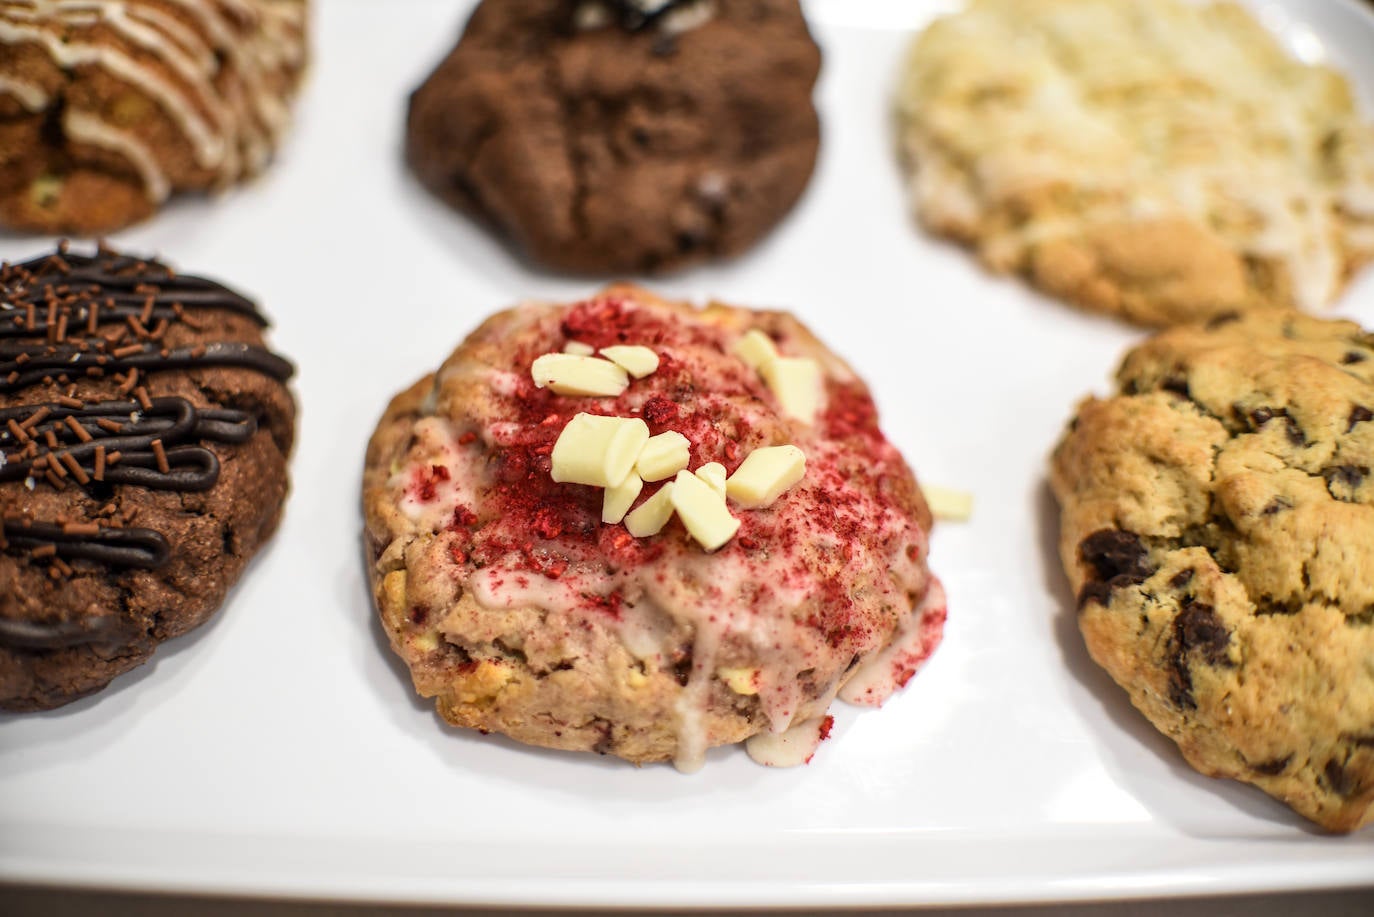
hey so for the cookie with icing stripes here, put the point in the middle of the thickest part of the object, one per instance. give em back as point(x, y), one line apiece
point(109, 107)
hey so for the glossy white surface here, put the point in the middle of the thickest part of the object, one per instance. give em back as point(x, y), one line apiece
point(280, 751)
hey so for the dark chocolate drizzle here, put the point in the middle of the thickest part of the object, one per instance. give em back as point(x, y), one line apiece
point(129, 430)
point(116, 287)
point(66, 317)
point(56, 635)
point(117, 547)
point(31, 364)
point(60, 302)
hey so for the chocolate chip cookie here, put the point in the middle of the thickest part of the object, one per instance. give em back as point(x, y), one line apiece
point(611, 136)
point(1218, 531)
point(106, 109)
point(701, 544)
point(144, 435)
point(1159, 162)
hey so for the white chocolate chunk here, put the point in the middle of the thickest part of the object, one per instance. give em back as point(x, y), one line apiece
point(663, 456)
point(579, 349)
point(599, 451)
point(952, 505)
point(796, 381)
point(653, 514)
point(765, 475)
point(616, 502)
point(573, 374)
point(702, 511)
point(755, 349)
point(713, 473)
point(635, 359)
point(739, 680)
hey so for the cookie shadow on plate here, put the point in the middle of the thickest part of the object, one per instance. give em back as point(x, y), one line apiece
point(106, 715)
point(1103, 697)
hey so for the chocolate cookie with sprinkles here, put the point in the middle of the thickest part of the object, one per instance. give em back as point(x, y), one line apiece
point(145, 430)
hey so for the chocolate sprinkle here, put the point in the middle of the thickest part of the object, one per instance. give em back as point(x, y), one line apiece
point(170, 421)
point(65, 317)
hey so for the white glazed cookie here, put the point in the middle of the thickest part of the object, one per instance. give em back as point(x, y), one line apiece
point(1156, 161)
point(107, 107)
point(766, 553)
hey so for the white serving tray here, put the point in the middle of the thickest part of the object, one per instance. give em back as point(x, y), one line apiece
point(280, 751)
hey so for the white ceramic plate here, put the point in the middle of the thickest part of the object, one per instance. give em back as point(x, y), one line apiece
point(280, 750)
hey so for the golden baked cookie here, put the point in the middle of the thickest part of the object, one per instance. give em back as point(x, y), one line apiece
point(1160, 162)
point(703, 543)
point(1218, 530)
point(109, 107)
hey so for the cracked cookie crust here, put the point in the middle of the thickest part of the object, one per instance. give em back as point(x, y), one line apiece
point(108, 107)
point(1159, 162)
point(521, 609)
point(1218, 531)
point(611, 136)
point(144, 436)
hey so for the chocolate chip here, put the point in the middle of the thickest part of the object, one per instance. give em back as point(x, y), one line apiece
point(1272, 768)
point(1222, 318)
point(1182, 578)
point(1176, 384)
point(1359, 414)
point(1261, 416)
point(1268, 605)
point(1198, 628)
point(1117, 558)
point(1295, 434)
point(1095, 591)
point(419, 614)
point(1112, 553)
point(1353, 356)
point(1340, 780)
point(1276, 505)
point(1344, 477)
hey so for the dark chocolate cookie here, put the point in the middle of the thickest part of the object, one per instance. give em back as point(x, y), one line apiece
point(605, 137)
point(108, 108)
point(144, 436)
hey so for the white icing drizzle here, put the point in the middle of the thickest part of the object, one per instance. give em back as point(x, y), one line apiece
point(30, 95)
point(1085, 96)
point(886, 672)
point(85, 128)
point(652, 597)
point(776, 621)
point(229, 134)
point(790, 748)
